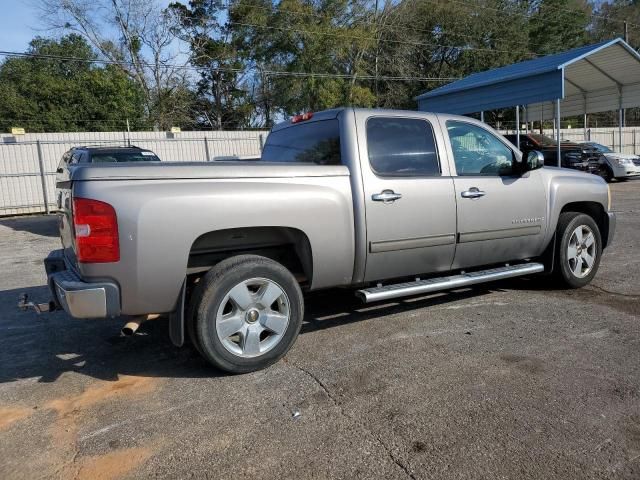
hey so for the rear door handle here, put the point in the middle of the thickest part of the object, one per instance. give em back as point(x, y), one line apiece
point(386, 196)
point(473, 192)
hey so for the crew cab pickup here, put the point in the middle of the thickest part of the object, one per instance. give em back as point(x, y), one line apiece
point(388, 203)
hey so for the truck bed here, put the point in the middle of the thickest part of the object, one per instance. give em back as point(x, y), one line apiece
point(204, 170)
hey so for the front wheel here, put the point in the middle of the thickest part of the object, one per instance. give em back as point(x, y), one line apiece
point(579, 249)
point(606, 173)
point(247, 312)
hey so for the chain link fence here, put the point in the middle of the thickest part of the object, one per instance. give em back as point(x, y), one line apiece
point(28, 162)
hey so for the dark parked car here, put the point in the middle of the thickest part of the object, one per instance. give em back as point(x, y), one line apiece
point(78, 156)
point(573, 155)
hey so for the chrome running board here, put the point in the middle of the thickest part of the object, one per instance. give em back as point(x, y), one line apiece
point(430, 285)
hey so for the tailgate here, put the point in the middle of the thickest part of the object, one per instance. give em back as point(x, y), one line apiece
point(65, 205)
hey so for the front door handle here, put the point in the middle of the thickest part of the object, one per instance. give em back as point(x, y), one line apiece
point(473, 192)
point(386, 196)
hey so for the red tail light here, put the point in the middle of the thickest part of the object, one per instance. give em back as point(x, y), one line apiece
point(302, 118)
point(96, 231)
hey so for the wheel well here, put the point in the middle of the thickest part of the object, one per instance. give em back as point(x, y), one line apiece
point(596, 211)
point(288, 246)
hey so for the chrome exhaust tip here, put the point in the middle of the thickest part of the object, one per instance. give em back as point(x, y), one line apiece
point(134, 323)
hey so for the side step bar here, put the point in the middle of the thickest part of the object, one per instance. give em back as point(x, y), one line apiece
point(430, 285)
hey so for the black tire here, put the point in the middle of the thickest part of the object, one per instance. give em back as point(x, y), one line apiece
point(606, 173)
point(213, 289)
point(567, 224)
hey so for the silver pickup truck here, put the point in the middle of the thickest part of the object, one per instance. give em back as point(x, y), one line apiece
point(388, 203)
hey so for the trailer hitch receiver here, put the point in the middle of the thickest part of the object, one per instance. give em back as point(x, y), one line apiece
point(24, 304)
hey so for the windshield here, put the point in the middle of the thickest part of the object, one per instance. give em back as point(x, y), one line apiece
point(599, 148)
point(117, 157)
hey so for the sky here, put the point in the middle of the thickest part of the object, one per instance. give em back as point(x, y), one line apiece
point(18, 24)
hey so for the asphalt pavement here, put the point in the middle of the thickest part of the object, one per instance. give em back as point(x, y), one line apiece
point(512, 380)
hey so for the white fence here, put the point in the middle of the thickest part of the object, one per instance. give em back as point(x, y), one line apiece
point(28, 162)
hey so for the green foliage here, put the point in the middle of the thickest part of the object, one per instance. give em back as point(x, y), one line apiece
point(258, 61)
point(558, 25)
point(57, 95)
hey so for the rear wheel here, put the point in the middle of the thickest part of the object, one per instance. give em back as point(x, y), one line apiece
point(247, 312)
point(579, 249)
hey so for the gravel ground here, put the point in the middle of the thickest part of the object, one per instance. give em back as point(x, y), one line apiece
point(507, 380)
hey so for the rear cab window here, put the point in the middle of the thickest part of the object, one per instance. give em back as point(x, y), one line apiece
point(402, 147)
point(315, 142)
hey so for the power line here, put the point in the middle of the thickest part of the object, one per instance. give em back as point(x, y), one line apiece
point(230, 5)
point(387, 28)
point(381, 40)
point(274, 73)
point(560, 9)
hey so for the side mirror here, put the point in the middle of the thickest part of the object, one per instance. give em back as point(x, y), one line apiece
point(535, 160)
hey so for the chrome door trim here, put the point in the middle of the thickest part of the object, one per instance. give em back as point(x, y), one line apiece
point(409, 243)
point(497, 234)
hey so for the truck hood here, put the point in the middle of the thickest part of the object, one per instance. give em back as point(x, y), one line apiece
point(196, 170)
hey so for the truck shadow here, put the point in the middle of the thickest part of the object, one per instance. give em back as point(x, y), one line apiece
point(43, 225)
point(49, 345)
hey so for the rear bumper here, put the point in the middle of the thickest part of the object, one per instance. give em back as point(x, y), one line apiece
point(612, 228)
point(80, 299)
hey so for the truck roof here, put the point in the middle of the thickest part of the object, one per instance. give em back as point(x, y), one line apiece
point(334, 112)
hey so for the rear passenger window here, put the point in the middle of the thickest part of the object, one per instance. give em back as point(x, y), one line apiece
point(315, 142)
point(402, 147)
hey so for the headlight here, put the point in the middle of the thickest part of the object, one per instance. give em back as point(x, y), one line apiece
point(621, 161)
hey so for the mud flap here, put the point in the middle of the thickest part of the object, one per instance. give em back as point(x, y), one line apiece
point(176, 318)
point(548, 257)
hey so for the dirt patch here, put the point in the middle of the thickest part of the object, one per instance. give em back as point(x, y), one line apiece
point(595, 295)
point(102, 392)
point(113, 464)
point(70, 411)
point(526, 364)
point(9, 415)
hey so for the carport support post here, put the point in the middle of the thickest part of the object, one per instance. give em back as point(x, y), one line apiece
point(43, 181)
point(620, 128)
point(206, 150)
point(518, 126)
point(558, 130)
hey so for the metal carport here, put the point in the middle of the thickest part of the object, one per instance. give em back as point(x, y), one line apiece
point(590, 79)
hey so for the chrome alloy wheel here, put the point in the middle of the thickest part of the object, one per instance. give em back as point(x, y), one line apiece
point(253, 317)
point(581, 251)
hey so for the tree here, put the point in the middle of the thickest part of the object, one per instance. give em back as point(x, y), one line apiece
point(137, 36)
point(222, 95)
point(51, 95)
point(558, 25)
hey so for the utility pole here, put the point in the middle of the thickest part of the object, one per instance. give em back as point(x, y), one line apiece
point(623, 118)
point(378, 52)
point(626, 32)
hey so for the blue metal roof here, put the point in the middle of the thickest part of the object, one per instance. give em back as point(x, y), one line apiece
point(522, 83)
